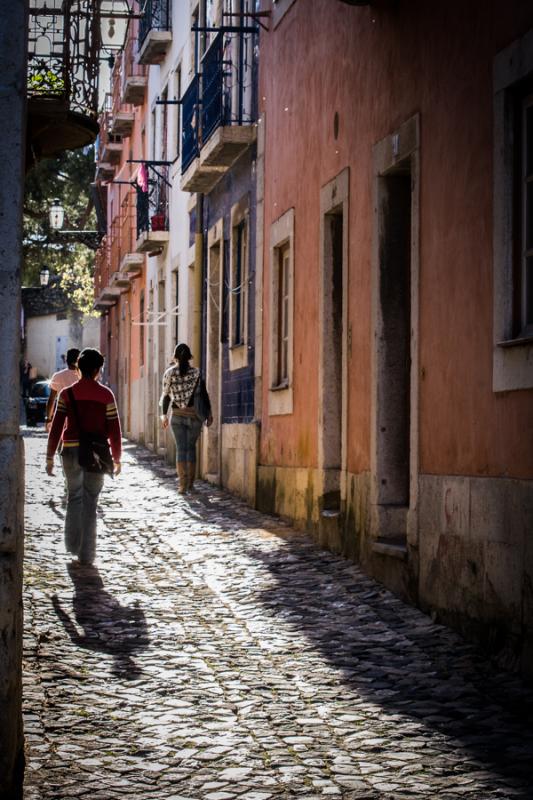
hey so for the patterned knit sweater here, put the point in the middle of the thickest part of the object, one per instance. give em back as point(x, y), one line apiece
point(98, 414)
point(178, 388)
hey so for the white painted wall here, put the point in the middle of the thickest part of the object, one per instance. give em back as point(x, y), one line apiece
point(41, 337)
point(177, 255)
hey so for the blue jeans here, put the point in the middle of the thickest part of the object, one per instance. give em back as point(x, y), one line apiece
point(83, 489)
point(186, 431)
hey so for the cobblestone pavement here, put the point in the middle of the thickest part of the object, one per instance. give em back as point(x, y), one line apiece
point(216, 653)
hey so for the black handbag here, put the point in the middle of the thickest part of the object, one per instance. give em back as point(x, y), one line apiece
point(201, 408)
point(94, 453)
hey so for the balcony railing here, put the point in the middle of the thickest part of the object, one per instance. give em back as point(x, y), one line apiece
point(63, 64)
point(156, 16)
point(152, 205)
point(223, 95)
point(134, 74)
point(122, 114)
point(190, 123)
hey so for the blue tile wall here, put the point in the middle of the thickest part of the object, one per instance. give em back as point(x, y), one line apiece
point(237, 386)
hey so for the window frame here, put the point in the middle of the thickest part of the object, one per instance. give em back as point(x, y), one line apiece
point(238, 290)
point(512, 345)
point(526, 210)
point(280, 393)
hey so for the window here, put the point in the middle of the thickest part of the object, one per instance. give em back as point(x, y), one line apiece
point(141, 328)
point(281, 314)
point(164, 124)
point(524, 282)
point(513, 217)
point(238, 285)
point(177, 95)
point(238, 288)
point(281, 371)
point(176, 306)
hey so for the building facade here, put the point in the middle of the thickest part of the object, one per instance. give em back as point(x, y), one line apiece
point(397, 359)
point(330, 202)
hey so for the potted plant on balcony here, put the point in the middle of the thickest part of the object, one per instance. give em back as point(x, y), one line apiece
point(158, 221)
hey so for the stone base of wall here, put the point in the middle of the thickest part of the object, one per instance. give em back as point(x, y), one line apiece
point(476, 561)
point(291, 492)
point(239, 445)
point(470, 565)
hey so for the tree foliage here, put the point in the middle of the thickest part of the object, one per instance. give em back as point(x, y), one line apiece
point(66, 178)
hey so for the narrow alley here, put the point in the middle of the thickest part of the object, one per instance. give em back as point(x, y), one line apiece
point(214, 652)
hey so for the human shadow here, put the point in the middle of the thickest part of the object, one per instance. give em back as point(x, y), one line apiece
point(423, 676)
point(107, 626)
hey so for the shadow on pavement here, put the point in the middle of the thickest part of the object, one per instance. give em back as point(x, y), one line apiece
point(395, 657)
point(108, 627)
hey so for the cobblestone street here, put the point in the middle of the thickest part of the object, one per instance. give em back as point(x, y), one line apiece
point(213, 653)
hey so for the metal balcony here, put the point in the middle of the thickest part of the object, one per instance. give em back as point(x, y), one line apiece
point(62, 82)
point(152, 212)
point(155, 34)
point(219, 110)
point(134, 74)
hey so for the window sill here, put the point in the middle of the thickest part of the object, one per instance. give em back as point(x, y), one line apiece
point(280, 387)
point(520, 341)
point(238, 356)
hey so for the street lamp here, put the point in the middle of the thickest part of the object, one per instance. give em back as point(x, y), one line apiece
point(44, 276)
point(56, 215)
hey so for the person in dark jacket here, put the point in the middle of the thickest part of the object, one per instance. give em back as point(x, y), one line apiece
point(185, 394)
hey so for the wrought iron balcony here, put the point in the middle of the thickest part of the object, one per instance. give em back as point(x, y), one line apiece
point(134, 74)
point(152, 209)
point(155, 31)
point(219, 109)
point(63, 62)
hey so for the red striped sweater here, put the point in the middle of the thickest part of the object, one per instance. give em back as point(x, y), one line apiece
point(98, 414)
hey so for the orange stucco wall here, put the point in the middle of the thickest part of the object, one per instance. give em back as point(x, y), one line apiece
point(377, 67)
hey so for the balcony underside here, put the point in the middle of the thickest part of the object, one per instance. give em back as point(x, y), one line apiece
point(155, 47)
point(217, 156)
point(107, 298)
point(112, 152)
point(134, 90)
point(151, 241)
point(226, 144)
point(122, 123)
point(104, 171)
point(132, 263)
point(120, 280)
point(52, 128)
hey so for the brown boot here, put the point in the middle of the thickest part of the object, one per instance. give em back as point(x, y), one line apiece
point(191, 475)
point(181, 469)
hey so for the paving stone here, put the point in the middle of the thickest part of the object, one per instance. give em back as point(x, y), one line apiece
point(215, 653)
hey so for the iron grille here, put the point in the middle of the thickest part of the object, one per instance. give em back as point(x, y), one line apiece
point(156, 15)
point(213, 87)
point(63, 51)
point(189, 136)
point(152, 205)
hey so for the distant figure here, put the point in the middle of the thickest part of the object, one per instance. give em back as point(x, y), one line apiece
point(185, 392)
point(25, 377)
point(62, 380)
point(96, 410)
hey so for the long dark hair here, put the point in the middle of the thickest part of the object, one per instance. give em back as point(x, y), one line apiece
point(183, 355)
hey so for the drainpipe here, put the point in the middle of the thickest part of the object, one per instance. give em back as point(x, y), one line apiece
point(198, 281)
point(13, 50)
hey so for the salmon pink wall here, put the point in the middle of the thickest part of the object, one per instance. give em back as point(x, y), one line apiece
point(377, 66)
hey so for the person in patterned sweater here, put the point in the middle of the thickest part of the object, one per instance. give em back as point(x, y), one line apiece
point(181, 383)
point(98, 414)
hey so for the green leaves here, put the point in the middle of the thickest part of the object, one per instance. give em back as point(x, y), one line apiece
point(67, 178)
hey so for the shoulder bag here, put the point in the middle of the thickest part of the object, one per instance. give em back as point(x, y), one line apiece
point(94, 453)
